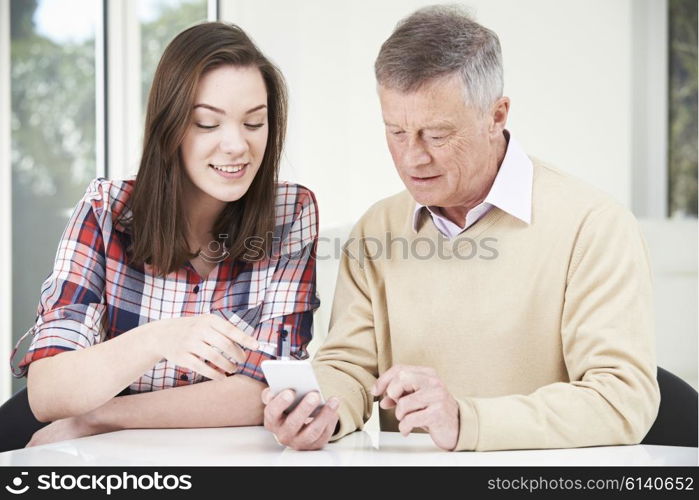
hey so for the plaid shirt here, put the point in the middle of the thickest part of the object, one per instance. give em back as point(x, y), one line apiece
point(95, 294)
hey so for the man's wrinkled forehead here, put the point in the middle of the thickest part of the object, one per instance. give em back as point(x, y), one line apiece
point(433, 105)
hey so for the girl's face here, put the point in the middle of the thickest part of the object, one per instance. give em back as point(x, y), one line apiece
point(225, 142)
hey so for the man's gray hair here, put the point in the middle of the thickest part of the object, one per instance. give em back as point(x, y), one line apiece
point(438, 41)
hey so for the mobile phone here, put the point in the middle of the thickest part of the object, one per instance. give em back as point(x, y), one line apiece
point(292, 374)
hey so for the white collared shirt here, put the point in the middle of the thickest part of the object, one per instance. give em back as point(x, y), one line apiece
point(511, 192)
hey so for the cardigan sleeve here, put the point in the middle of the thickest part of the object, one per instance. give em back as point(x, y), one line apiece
point(346, 365)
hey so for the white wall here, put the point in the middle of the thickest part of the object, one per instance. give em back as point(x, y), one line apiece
point(567, 70)
point(572, 72)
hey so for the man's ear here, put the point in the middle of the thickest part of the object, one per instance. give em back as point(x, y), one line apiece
point(498, 116)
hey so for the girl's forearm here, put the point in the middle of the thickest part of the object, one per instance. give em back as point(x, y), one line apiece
point(75, 382)
point(234, 401)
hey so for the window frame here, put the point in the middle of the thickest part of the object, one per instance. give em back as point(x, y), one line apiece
point(122, 85)
point(650, 107)
point(5, 200)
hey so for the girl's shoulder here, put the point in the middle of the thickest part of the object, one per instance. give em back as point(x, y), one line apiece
point(294, 200)
point(110, 199)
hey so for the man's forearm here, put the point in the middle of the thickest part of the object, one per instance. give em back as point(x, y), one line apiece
point(231, 402)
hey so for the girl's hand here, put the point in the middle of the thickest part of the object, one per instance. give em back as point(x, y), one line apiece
point(202, 343)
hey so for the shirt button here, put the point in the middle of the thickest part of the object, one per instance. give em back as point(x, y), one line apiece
point(196, 289)
point(183, 377)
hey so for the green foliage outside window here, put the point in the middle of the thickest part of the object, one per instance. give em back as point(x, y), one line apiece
point(682, 144)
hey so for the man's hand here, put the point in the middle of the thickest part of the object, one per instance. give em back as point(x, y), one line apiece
point(68, 428)
point(298, 430)
point(421, 400)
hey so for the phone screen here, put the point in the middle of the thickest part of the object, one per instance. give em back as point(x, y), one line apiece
point(293, 374)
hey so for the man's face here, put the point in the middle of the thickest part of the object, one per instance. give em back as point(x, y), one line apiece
point(444, 150)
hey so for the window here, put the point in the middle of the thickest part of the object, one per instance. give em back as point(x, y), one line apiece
point(160, 22)
point(59, 79)
point(682, 89)
point(52, 130)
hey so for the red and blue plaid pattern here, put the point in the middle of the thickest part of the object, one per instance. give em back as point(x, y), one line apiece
point(95, 294)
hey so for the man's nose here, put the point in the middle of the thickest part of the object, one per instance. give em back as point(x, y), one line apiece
point(415, 153)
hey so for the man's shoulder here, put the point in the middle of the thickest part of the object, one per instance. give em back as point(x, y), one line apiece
point(391, 212)
point(394, 204)
point(556, 192)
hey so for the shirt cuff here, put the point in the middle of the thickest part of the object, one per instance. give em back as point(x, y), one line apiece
point(468, 426)
point(351, 411)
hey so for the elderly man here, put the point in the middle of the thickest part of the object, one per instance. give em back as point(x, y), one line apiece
point(542, 341)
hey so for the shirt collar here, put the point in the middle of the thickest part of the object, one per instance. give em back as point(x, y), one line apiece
point(512, 188)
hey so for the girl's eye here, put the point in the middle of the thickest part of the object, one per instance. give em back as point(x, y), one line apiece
point(254, 126)
point(207, 127)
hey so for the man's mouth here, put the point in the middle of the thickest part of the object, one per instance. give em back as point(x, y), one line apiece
point(419, 179)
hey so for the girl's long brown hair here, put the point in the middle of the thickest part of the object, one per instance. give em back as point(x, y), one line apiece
point(158, 225)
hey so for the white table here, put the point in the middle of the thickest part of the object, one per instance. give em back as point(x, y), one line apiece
point(256, 446)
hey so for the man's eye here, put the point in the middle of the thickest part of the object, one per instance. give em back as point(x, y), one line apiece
point(437, 139)
point(207, 127)
point(398, 132)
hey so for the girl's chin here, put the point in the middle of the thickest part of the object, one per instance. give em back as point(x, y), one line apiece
point(228, 195)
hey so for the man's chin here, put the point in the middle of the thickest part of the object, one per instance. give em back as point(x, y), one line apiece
point(424, 198)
